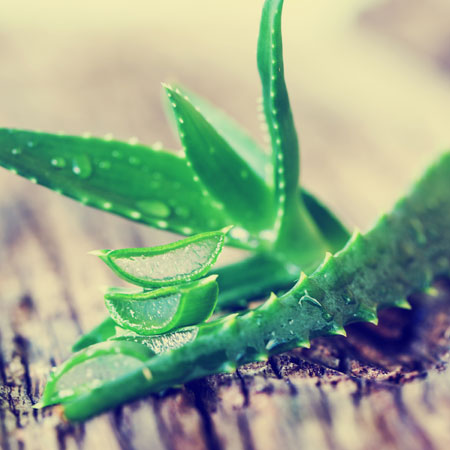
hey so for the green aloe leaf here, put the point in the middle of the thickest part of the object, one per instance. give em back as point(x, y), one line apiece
point(100, 333)
point(164, 309)
point(227, 176)
point(91, 367)
point(333, 231)
point(276, 106)
point(155, 187)
point(238, 139)
point(165, 265)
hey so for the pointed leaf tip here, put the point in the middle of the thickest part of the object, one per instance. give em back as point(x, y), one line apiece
point(98, 253)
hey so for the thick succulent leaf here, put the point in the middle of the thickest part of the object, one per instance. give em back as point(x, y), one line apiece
point(227, 176)
point(332, 230)
point(238, 139)
point(91, 367)
point(100, 333)
point(253, 278)
point(401, 255)
point(165, 265)
point(276, 106)
point(150, 186)
point(164, 309)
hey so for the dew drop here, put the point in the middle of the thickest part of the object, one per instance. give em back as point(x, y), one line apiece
point(134, 161)
point(116, 154)
point(58, 162)
point(105, 165)
point(30, 144)
point(16, 151)
point(154, 208)
point(310, 300)
point(135, 214)
point(82, 166)
point(349, 301)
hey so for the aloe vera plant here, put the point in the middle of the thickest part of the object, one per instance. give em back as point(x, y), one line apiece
point(219, 179)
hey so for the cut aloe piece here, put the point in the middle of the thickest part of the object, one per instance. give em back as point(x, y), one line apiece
point(164, 309)
point(248, 200)
point(159, 343)
point(91, 368)
point(165, 265)
point(152, 186)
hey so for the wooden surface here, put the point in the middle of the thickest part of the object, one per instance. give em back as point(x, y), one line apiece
point(370, 84)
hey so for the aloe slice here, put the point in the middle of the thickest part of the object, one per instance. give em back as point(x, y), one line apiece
point(164, 309)
point(227, 176)
point(91, 367)
point(159, 343)
point(152, 186)
point(165, 265)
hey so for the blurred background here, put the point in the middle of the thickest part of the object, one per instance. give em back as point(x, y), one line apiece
point(369, 80)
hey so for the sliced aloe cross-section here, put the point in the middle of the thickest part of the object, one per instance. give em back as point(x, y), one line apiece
point(165, 265)
point(91, 367)
point(159, 343)
point(164, 309)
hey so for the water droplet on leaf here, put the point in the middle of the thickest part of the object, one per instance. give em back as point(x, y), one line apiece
point(154, 208)
point(58, 162)
point(81, 166)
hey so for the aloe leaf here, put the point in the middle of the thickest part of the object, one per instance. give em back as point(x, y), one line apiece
point(253, 278)
point(100, 333)
point(165, 265)
point(332, 230)
point(164, 309)
point(238, 139)
point(276, 106)
point(404, 252)
point(155, 187)
point(226, 175)
point(91, 367)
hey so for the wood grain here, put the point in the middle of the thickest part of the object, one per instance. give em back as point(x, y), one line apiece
point(371, 89)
